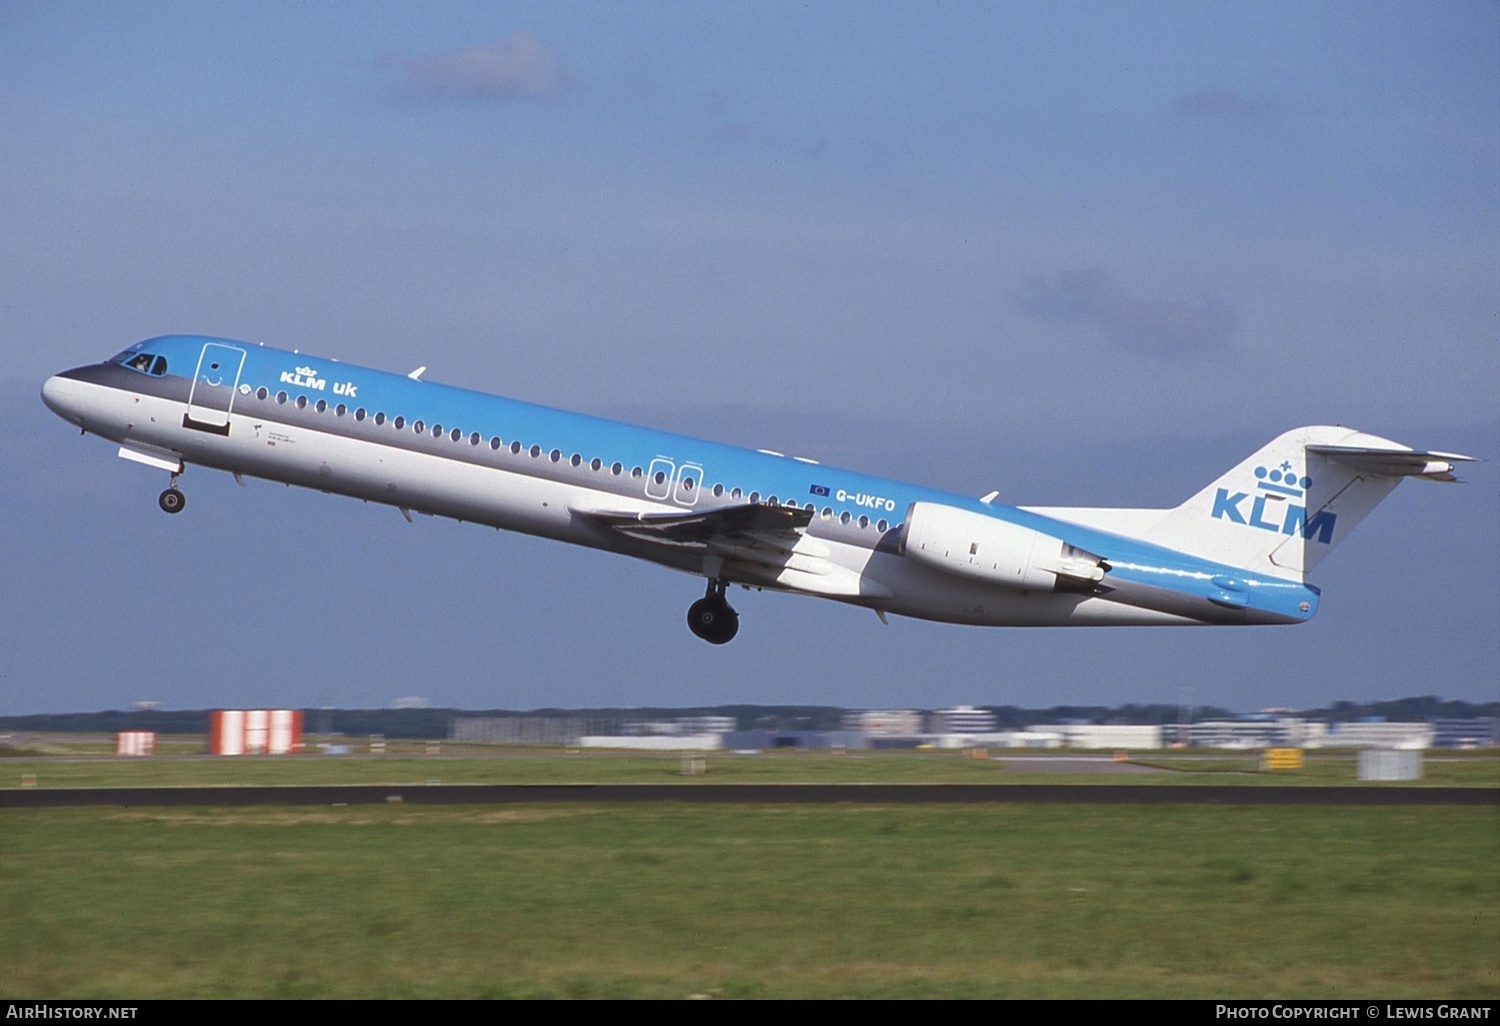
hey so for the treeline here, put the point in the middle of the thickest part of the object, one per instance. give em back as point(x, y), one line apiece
point(1010, 717)
point(417, 724)
point(1406, 710)
point(434, 724)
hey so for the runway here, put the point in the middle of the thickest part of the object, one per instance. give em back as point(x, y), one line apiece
point(772, 794)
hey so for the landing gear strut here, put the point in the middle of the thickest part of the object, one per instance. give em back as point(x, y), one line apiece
point(171, 500)
point(712, 618)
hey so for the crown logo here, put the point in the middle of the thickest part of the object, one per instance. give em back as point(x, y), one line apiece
point(1282, 480)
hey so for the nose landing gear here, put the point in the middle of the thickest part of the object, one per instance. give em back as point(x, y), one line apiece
point(712, 618)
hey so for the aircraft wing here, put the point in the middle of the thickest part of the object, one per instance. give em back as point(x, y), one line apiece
point(725, 525)
point(764, 545)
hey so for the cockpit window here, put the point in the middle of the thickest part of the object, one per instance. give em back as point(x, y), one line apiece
point(146, 363)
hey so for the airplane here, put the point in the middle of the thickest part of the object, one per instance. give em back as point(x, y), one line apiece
point(1237, 552)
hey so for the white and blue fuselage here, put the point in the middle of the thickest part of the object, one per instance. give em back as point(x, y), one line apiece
point(731, 515)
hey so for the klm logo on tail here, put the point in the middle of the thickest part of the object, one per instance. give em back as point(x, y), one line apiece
point(1276, 486)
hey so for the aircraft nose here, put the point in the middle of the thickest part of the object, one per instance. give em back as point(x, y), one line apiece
point(60, 393)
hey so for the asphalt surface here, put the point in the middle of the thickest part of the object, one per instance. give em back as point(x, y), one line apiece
point(811, 794)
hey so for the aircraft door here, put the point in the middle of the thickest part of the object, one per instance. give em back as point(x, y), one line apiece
point(660, 478)
point(689, 482)
point(214, 385)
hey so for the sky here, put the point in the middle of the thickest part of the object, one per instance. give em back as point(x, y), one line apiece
point(1082, 253)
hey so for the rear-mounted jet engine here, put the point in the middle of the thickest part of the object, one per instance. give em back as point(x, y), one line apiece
point(995, 551)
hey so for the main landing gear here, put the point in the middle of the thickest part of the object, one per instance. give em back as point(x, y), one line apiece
point(712, 618)
point(171, 500)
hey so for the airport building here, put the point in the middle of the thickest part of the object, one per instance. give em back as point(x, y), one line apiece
point(1258, 732)
point(1376, 735)
point(970, 727)
point(681, 726)
point(962, 719)
point(654, 742)
point(1105, 735)
point(518, 730)
point(1478, 733)
point(904, 723)
point(1296, 732)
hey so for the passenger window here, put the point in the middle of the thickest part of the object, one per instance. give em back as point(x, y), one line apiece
point(555, 455)
point(576, 460)
point(595, 463)
point(754, 498)
point(735, 494)
point(399, 423)
point(340, 410)
point(437, 431)
point(280, 398)
point(302, 402)
point(359, 414)
point(844, 517)
point(495, 443)
point(864, 522)
point(380, 418)
point(536, 450)
point(418, 427)
point(261, 392)
point(616, 469)
point(881, 527)
point(515, 448)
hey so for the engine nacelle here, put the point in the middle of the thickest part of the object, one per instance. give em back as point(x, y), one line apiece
point(994, 551)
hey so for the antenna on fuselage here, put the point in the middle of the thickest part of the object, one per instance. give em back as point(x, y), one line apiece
point(416, 375)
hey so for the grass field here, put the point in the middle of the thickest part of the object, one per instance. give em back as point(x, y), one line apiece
point(77, 767)
point(677, 900)
point(751, 901)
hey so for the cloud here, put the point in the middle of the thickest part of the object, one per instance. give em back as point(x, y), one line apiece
point(1159, 328)
point(1224, 104)
point(726, 123)
point(515, 67)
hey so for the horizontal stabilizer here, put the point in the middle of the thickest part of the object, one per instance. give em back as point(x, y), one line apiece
point(1435, 466)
